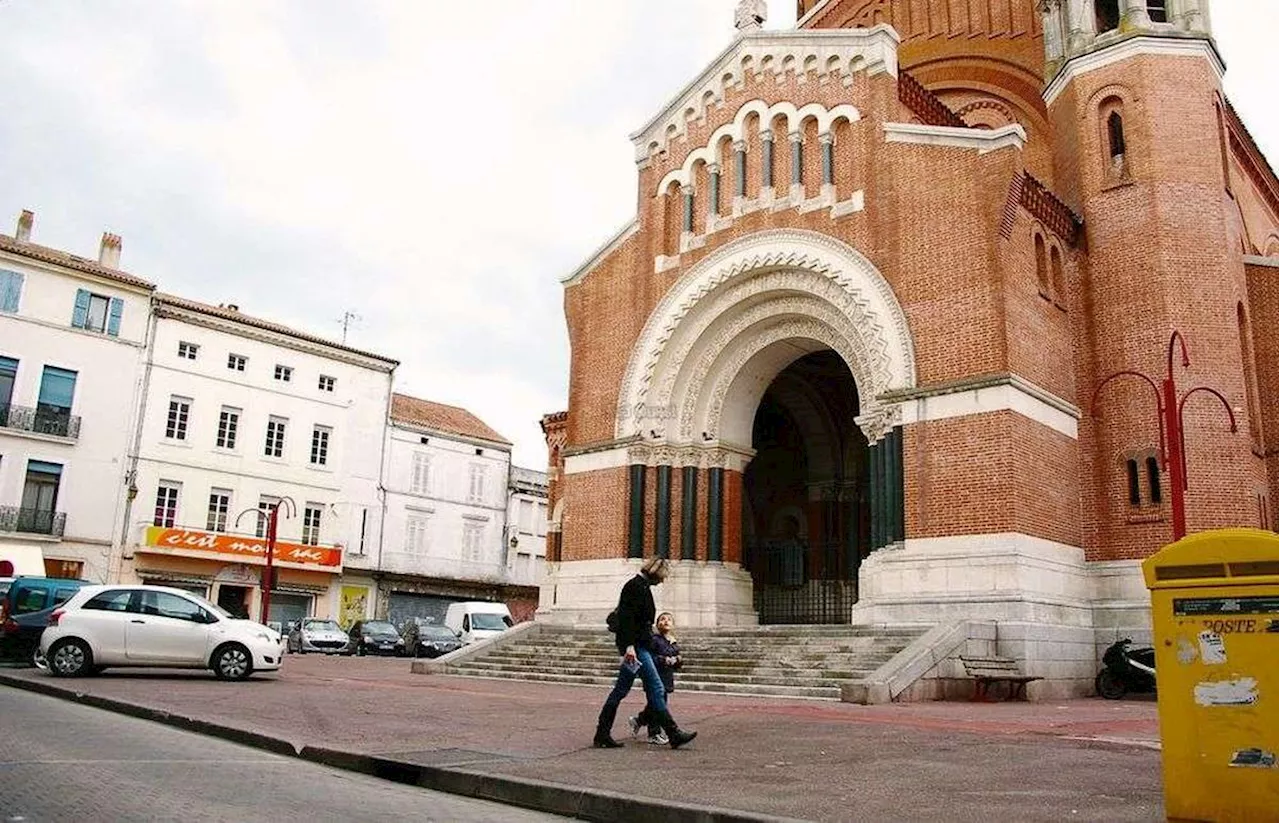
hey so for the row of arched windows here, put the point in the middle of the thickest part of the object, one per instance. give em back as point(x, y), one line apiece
point(772, 161)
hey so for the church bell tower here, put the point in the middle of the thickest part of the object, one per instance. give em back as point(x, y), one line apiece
point(1133, 92)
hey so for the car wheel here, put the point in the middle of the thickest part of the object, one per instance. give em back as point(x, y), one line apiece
point(38, 660)
point(70, 657)
point(232, 662)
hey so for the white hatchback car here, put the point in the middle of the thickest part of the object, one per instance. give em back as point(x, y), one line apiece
point(143, 625)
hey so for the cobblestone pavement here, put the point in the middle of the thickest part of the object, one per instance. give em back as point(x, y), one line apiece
point(98, 765)
point(1086, 759)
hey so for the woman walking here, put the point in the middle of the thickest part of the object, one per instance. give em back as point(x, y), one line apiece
point(635, 615)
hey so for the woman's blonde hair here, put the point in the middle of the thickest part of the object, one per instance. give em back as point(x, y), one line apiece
point(654, 565)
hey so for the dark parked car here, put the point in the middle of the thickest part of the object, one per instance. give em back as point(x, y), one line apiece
point(25, 610)
point(424, 638)
point(375, 637)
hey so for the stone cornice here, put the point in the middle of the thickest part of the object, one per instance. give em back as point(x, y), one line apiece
point(983, 381)
point(833, 52)
point(1117, 50)
point(981, 140)
point(1258, 260)
point(607, 248)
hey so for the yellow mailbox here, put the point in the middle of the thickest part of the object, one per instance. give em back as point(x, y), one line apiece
point(1213, 612)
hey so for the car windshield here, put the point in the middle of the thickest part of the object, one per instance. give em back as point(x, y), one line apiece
point(321, 626)
point(437, 633)
point(488, 622)
point(379, 627)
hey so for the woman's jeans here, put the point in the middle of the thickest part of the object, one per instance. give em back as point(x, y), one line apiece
point(653, 689)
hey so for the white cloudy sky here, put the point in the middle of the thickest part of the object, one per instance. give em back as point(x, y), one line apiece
point(435, 167)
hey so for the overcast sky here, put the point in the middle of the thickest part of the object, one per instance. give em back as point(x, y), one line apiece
point(434, 167)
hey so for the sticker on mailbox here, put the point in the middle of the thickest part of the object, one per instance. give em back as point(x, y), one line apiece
point(1194, 606)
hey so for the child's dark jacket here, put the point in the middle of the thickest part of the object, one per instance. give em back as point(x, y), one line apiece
point(663, 648)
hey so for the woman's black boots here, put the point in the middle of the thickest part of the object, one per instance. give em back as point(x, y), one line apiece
point(675, 736)
point(604, 729)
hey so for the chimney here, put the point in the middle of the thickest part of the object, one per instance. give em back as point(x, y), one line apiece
point(23, 232)
point(109, 251)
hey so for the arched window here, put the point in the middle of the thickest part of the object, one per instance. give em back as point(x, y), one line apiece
point(1157, 12)
point(1055, 269)
point(1250, 375)
point(1135, 488)
point(1153, 480)
point(1115, 135)
point(1042, 275)
point(1106, 15)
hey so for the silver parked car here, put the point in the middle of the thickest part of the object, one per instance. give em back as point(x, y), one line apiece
point(318, 635)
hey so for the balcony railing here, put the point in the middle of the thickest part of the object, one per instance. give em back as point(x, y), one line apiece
point(40, 421)
point(32, 521)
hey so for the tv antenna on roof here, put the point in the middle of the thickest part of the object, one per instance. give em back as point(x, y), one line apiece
point(348, 317)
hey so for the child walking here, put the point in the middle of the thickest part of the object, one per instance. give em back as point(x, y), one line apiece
point(666, 656)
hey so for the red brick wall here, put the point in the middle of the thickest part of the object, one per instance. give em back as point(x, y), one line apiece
point(1262, 305)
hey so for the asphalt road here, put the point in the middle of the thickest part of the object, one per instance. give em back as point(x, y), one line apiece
point(64, 762)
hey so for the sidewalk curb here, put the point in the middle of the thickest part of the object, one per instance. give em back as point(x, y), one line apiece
point(554, 798)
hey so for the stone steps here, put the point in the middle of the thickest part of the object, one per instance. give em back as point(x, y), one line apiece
point(780, 661)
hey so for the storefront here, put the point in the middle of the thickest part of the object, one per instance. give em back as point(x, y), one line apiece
point(228, 570)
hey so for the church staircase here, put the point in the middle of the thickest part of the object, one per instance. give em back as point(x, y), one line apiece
point(782, 661)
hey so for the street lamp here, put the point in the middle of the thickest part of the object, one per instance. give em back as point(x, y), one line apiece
point(1169, 406)
point(273, 518)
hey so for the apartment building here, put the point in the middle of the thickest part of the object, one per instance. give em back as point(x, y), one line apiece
point(243, 415)
point(527, 533)
point(72, 342)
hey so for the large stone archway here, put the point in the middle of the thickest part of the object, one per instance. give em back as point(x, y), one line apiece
point(737, 318)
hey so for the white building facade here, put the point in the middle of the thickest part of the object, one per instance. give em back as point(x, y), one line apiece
point(241, 415)
point(72, 344)
point(527, 527)
point(445, 540)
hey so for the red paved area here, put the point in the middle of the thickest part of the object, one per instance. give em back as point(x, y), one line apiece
point(1080, 759)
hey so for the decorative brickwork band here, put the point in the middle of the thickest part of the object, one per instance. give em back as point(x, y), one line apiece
point(689, 513)
point(1012, 202)
point(925, 104)
point(715, 514)
point(1049, 210)
point(662, 514)
point(635, 523)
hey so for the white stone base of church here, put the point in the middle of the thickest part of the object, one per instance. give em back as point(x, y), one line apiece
point(1043, 604)
point(698, 594)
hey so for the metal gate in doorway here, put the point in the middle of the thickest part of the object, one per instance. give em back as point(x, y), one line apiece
point(799, 583)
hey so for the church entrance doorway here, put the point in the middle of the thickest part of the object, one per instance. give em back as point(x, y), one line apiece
point(806, 504)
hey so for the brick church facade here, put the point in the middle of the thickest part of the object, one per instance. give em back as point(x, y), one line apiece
point(841, 366)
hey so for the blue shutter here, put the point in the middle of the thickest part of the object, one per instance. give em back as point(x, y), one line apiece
point(44, 468)
point(10, 290)
point(57, 387)
point(80, 317)
point(113, 319)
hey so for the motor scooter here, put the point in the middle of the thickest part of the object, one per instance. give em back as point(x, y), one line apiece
point(1126, 669)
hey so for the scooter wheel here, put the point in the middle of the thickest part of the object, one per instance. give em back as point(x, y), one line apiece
point(1110, 686)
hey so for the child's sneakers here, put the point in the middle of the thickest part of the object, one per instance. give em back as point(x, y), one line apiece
point(634, 722)
point(659, 739)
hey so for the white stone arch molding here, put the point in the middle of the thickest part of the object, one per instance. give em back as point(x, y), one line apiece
point(875, 338)
point(735, 130)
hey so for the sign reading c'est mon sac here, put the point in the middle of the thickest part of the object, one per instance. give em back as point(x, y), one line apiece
point(249, 549)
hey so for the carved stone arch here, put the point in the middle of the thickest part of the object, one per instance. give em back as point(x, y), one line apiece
point(861, 320)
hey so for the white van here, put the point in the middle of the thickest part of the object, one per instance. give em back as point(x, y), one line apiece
point(475, 620)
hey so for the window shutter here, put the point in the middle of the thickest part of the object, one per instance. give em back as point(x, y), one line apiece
point(10, 290)
point(80, 317)
point(113, 319)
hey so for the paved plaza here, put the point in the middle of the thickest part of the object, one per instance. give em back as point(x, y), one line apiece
point(528, 743)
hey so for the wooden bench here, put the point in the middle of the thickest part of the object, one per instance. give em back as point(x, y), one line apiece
point(988, 670)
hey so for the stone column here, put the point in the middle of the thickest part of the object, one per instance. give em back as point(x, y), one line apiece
point(797, 164)
point(635, 520)
point(715, 514)
point(827, 141)
point(740, 168)
point(662, 513)
point(689, 511)
point(713, 194)
point(766, 160)
point(687, 224)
